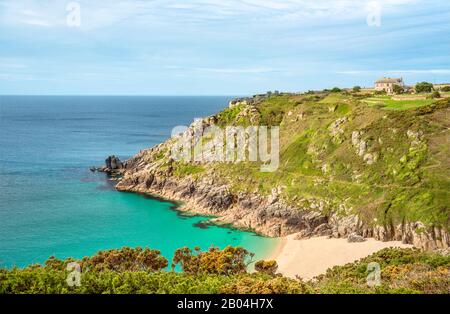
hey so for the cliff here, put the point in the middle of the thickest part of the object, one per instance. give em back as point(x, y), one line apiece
point(346, 166)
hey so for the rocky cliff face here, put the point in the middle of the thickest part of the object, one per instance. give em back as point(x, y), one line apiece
point(268, 216)
point(385, 157)
point(247, 211)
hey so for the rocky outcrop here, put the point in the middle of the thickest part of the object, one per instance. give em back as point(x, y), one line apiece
point(362, 148)
point(240, 101)
point(112, 165)
point(269, 216)
point(354, 238)
point(336, 129)
point(249, 112)
point(415, 233)
point(247, 211)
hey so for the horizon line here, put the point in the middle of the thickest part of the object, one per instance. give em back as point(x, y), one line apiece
point(122, 95)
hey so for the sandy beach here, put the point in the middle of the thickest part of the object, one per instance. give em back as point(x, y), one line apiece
point(311, 257)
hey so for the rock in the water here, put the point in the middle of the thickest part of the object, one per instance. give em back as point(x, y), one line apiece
point(353, 238)
point(113, 163)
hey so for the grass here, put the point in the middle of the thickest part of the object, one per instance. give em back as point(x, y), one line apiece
point(388, 103)
point(182, 169)
point(228, 116)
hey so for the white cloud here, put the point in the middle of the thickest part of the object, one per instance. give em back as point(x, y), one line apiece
point(101, 13)
point(36, 22)
point(417, 71)
point(236, 70)
point(244, 70)
point(354, 72)
point(430, 71)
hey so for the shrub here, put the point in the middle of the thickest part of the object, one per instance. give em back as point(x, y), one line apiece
point(224, 271)
point(445, 89)
point(434, 95)
point(397, 89)
point(266, 267)
point(125, 259)
point(402, 271)
point(229, 261)
point(357, 89)
point(336, 90)
point(257, 284)
point(424, 87)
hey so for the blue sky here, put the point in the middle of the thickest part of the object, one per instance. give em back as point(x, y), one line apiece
point(219, 47)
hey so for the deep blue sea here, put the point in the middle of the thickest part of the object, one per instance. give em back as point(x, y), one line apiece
point(51, 204)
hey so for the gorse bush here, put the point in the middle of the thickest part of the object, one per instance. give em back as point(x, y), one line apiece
point(263, 284)
point(140, 271)
point(402, 271)
point(125, 259)
point(229, 261)
point(267, 267)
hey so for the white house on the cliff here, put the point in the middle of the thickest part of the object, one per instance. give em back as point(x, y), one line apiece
point(387, 84)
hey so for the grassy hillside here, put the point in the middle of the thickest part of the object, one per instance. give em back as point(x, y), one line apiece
point(381, 157)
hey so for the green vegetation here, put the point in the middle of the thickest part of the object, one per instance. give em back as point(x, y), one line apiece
point(400, 103)
point(183, 169)
point(424, 87)
point(230, 261)
point(139, 271)
point(357, 89)
point(336, 90)
point(275, 108)
point(402, 271)
point(228, 115)
point(401, 175)
point(435, 95)
point(380, 92)
point(266, 267)
point(445, 89)
point(398, 89)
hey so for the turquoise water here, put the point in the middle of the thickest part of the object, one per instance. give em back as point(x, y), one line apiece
point(51, 204)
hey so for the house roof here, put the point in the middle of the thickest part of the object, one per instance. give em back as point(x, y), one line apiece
point(389, 80)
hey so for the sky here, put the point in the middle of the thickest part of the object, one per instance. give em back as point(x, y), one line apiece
point(218, 47)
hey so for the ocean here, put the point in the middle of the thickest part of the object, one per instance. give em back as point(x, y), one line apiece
point(52, 205)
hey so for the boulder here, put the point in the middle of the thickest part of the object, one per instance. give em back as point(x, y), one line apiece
point(353, 238)
point(113, 163)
